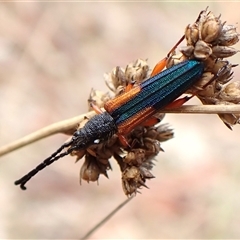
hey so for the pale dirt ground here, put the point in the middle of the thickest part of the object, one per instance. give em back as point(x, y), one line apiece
point(51, 55)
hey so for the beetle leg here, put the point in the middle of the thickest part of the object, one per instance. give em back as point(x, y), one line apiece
point(179, 102)
point(129, 86)
point(123, 141)
point(95, 108)
point(162, 64)
point(150, 122)
point(159, 67)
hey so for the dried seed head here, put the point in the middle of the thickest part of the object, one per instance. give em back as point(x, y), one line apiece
point(209, 40)
point(136, 162)
point(119, 78)
point(206, 34)
point(207, 28)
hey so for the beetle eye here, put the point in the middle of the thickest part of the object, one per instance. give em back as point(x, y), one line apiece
point(77, 133)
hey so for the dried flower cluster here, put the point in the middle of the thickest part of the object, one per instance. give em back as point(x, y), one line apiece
point(135, 163)
point(208, 40)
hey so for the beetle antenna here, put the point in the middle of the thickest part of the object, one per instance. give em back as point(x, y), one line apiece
point(54, 157)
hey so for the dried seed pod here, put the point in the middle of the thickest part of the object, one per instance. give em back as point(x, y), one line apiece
point(137, 134)
point(115, 79)
point(100, 151)
point(209, 64)
point(192, 34)
point(164, 133)
point(132, 180)
point(175, 59)
point(202, 83)
point(210, 28)
point(93, 167)
point(98, 98)
point(89, 170)
point(152, 147)
point(137, 71)
point(79, 154)
point(228, 36)
point(226, 75)
point(146, 173)
point(230, 119)
point(187, 51)
point(208, 91)
point(119, 90)
point(104, 166)
point(104, 161)
point(161, 133)
point(223, 51)
point(135, 157)
point(202, 50)
point(231, 92)
point(214, 65)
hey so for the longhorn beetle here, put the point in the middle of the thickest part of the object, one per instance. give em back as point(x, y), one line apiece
point(132, 108)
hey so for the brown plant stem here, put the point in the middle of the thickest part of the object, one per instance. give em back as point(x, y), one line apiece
point(205, 109)
point(72, 123)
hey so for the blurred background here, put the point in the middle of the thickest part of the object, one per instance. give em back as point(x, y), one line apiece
point(51, 55)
